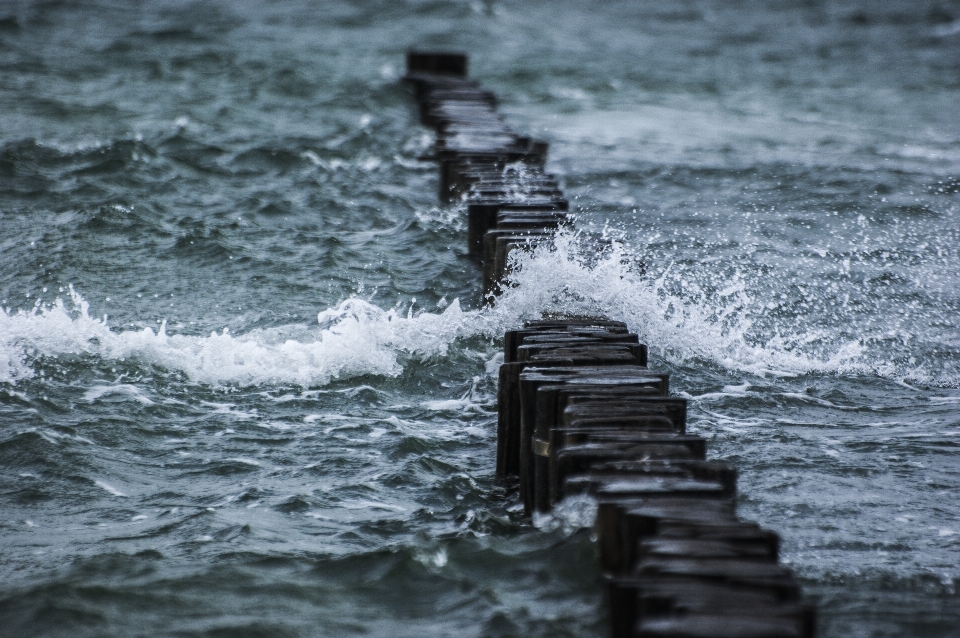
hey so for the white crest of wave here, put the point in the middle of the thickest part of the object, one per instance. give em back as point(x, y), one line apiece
point(356, 338)
point(681, 323)
point(677, 320)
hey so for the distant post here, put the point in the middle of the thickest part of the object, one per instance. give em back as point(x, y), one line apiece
point(437, 63)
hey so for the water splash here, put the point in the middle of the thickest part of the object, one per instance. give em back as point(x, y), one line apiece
point(356, 338)
point(728, 323)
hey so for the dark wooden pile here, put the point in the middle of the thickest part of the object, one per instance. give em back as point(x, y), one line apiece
point(580, 413)
point(511, 201)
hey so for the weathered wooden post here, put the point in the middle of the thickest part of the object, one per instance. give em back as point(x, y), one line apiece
point(579, 412)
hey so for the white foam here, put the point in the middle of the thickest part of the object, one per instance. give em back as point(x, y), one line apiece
point(474, 401)
point(123, 390)
point(569, 515)
point(52, 436)
point(679, 321)
point(447, 405)
point(356, 338)
point(245, 461)
point(109, 488)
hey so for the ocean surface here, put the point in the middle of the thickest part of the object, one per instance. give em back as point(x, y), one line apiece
point(247, 376)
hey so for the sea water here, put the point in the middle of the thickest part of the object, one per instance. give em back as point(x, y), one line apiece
point(247, 376)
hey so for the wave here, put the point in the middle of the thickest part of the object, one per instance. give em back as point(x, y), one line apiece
point(731, 324)
point(676, 318)
point(354, 339)
point(729, 327)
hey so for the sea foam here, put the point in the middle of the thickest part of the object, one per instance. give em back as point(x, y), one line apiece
point(730, 325)
point(356, 338)
point(679, 321)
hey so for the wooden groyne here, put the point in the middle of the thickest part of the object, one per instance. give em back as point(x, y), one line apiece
point(580, 413)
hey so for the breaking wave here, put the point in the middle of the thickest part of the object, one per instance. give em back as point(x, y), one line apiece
point(681, 322)
point(354, 339)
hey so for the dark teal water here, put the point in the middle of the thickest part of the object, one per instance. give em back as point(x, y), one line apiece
point(246, 380)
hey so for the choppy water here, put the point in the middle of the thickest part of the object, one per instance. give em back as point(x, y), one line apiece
point(188, 449)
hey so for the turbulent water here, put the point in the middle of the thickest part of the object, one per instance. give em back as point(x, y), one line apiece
point(247, 379)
